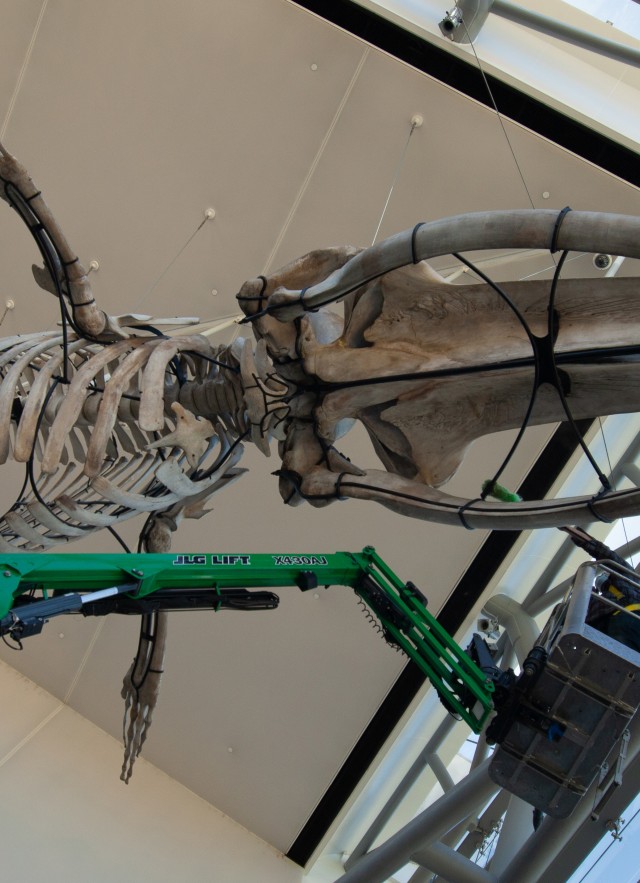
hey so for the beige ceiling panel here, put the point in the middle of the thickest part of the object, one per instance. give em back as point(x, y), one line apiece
point(54, 657)
point(437, 175)
point(459, 160)
point(19, 21)
point(568, 179)
point(135, 118)
point(72, 819)
point(27, 707)
point(34, 309)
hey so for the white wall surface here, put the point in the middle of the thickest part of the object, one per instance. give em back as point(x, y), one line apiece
point(66, 815)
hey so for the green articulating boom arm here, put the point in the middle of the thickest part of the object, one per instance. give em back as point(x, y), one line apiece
point(35, 588)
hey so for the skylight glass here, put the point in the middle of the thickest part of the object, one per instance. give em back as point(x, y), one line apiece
point(621, 14)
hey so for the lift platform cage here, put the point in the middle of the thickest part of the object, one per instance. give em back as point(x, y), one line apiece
point(572, 725)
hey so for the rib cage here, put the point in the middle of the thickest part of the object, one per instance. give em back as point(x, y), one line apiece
point(87, 464)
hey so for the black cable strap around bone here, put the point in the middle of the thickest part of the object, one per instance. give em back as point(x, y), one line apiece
point(148, 635)
point(414, 233)
point(591, 506)
point(414, 258)
point(562, 381)
point(261, 293)
point(85, 303)
point(553, 248)
point(462, 509)
point(338, 485)
point(537, 352)
point(544, 357)
point(260, 296)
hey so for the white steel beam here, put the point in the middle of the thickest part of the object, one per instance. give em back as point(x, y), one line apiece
point(450, 865)
point(427, 827)
point(408, 781)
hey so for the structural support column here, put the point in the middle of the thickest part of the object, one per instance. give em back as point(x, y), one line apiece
point(381, 863)
point(408, 781)
point(516, 829)
point(450, 865)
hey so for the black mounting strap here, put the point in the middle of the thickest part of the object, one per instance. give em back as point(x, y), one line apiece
point(414, 233)
point(553, 248)
point(591, 506)
point(261, 293)
point(544, 355)
point(462, 509)
point(339, 481)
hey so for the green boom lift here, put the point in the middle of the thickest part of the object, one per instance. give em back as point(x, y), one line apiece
point(550, 748)
point(36, 588)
